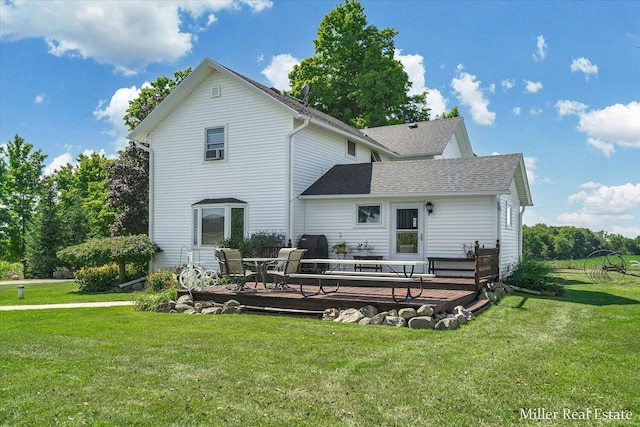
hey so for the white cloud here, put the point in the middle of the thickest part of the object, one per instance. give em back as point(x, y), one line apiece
point(585, 66)
point(531, 166)
point(278, 70)
point(533, 87)
point(535, 111)
point(414, 67)
point(508, 84)
point(39, 99)
point(566, 107)
point(57, 163)
point(469, 92)
point(600, 206)
point(597, 198)
point(114, 112)
point(126, 34)
point(436, 102)
point(517, 111)
point(541, 49)
point(615, 125)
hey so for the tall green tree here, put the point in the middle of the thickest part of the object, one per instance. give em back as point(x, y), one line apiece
point(83, 198)
point(21, 173)
point(128, 192)
point(354, 76)
point(46, 235)
point(151, 96)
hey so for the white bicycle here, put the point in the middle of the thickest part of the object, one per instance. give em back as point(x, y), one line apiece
point(194, 277)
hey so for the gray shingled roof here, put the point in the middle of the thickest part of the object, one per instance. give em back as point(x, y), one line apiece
point(472, 175)
point(422, 138)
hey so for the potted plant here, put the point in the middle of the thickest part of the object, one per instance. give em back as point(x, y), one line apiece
point(340, 247)
point(363, 248)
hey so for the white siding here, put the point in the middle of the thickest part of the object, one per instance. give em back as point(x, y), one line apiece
point(331, 217)
point(510, 250)
point(452, 150)
point(254, 169)
point(315, 152)
point(460, 221)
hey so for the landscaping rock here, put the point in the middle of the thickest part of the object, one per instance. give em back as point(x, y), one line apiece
point(378, 319)
point(491, 296)
point(369, 310)
point(232, 308)
point(181, 307)
point(365, 321)
point(138, 286)
point(422, 322)
point(395, 321)
point(231, 303)
point(350, 315)
point(392, 313)
point(167, 307)
point(330, 314)
point(407, 313)
point(447, 323)
point(212, 310)
point(461, 319)
point(460, 310)
point(15, 277)
point(185, 299)
point(425, 310)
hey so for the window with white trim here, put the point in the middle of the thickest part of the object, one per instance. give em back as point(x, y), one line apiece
point(509, 217)
point(351, 148)
point(368, 214)
point(214, 145)
point(215, 222)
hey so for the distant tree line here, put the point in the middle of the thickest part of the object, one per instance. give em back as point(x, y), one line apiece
point(546, 242)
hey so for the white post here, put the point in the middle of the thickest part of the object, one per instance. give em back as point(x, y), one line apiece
point(20, 292)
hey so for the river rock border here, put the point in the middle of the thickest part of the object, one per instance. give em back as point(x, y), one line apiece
point(422, 318)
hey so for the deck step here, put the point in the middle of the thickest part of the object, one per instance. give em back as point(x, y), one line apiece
point(478, 306)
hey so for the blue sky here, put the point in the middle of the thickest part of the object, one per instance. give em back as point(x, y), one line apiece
point(556, 81)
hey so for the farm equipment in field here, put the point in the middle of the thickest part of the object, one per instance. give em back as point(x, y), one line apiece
point(605, 266)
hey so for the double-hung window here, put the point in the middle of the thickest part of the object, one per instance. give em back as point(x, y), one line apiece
point(216, 220)
point(214, 143)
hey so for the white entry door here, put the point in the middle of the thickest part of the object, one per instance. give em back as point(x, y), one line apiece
point(407, 231)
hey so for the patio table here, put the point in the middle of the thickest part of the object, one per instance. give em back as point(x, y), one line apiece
point(261, 264)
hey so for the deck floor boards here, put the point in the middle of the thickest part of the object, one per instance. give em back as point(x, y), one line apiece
point(441, 293)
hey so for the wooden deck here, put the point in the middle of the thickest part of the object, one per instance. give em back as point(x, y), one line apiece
point(443, 294)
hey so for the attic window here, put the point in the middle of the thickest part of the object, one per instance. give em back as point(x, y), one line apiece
point(351, 148)
point(375, 156)
point(216, 91)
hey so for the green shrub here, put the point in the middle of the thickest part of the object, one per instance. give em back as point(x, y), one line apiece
point(161, 280)
point(101, 279)
point(150, 300)
point(534, 275)
point(249, 246)
point(10, 269)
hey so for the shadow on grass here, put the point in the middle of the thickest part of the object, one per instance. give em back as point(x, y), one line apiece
point(578, 296)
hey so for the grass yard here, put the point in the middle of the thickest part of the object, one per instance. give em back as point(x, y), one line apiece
point(56, 292)
point(118, 367)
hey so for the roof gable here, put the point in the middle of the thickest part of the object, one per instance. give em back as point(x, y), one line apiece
point(295, 107)
point(428, 138)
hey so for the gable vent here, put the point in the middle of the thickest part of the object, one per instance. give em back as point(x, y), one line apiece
point(215, 91)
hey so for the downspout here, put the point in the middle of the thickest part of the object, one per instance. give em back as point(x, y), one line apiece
point(137, 144)
point(290, 187)
point(522, 209)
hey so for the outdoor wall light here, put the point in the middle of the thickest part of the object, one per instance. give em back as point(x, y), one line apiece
point(429, 207)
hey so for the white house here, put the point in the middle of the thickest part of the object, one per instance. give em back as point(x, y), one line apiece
point(229, 155)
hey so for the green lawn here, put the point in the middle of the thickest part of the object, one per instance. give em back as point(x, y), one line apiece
point(55, 293)
point(118, 367)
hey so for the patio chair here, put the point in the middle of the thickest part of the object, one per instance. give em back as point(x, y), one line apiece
point(232, 267)
point(288, 263)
